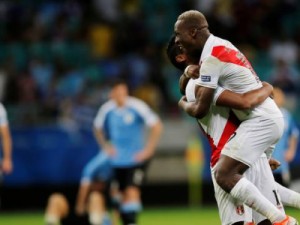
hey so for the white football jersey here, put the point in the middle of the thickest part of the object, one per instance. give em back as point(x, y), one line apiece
point(222, 64)
point(218, 125)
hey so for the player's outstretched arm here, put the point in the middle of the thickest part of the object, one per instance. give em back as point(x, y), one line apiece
point(247, 100)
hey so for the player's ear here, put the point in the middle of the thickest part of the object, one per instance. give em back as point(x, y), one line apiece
point(193, 32)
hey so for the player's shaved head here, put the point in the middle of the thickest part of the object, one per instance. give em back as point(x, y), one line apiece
point(193, 18)
point(191, 31)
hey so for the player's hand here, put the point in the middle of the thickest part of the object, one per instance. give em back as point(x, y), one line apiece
point(110, 150)
point(266, 84)
point(274, 164)
point(144, 155)
point(6, 166)
point(192, 71)
point(182, 101)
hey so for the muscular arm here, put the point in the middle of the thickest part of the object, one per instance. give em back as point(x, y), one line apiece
point(183, 80)
point(227, 98)
point(201, 106)
point(247, 100)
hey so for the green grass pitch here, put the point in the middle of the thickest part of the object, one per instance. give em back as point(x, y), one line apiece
point(159, 216)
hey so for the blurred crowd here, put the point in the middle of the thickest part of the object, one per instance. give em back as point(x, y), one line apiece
point(57, 57)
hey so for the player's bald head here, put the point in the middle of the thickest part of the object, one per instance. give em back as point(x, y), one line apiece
point(193, 18)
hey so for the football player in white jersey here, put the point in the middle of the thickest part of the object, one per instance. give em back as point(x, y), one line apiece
point(223, 64)
point(6, 165)
point(219, 119)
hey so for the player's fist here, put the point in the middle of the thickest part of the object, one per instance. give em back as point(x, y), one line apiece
point(192, 71)
point(274, 164)
point(6, 166)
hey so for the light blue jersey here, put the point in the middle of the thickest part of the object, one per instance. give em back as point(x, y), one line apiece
point(125, 128)
point(290, 130)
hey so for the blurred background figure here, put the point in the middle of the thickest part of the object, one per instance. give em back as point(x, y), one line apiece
point(120, 127)
point(286, 147)
point(6, 163)
point(59, 211)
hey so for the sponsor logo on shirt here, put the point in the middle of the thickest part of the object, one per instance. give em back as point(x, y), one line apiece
point(205, 78)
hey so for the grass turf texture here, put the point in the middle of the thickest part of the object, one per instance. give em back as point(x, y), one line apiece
point(159, 216)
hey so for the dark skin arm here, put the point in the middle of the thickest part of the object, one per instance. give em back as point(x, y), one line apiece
point(246, 100)
point(230, 99)
point(201, 106)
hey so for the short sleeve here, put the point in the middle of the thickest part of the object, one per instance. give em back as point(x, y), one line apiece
point(209, 72)
point(217, 94)
point(101, 115)
point(148, 115)
point(3, 116)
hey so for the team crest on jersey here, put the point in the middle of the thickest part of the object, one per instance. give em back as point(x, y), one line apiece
point(240, 210)
point(205, 78)
point(128, 118)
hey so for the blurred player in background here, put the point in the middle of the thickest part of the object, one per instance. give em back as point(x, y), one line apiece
point(98, 170)
point(90, 206)
point(6, 165)
point(120, 127)
point(223, 64)
point(286, 147)
point(59, 212)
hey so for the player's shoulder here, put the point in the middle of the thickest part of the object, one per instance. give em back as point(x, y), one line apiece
point(107, 106)
point(136, 102)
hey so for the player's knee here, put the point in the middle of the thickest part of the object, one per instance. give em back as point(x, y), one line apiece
point(223, 177)
point(96, 202)
point(57, 204)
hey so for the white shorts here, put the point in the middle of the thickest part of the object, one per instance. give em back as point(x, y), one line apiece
point(231, 210)
point(253, 138)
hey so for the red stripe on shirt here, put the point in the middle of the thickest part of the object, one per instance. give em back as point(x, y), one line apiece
point(230, 127)
point(229, 55)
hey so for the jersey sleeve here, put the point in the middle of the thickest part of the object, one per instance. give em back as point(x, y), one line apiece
point(148, 115)
point(3, 116)
point(100, 117)
point(210, 72)
point(217, 94)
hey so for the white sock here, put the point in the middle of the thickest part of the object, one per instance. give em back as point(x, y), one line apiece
point(288, 196)
point(246, 192)
point(96, 218)
point(52, 219)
